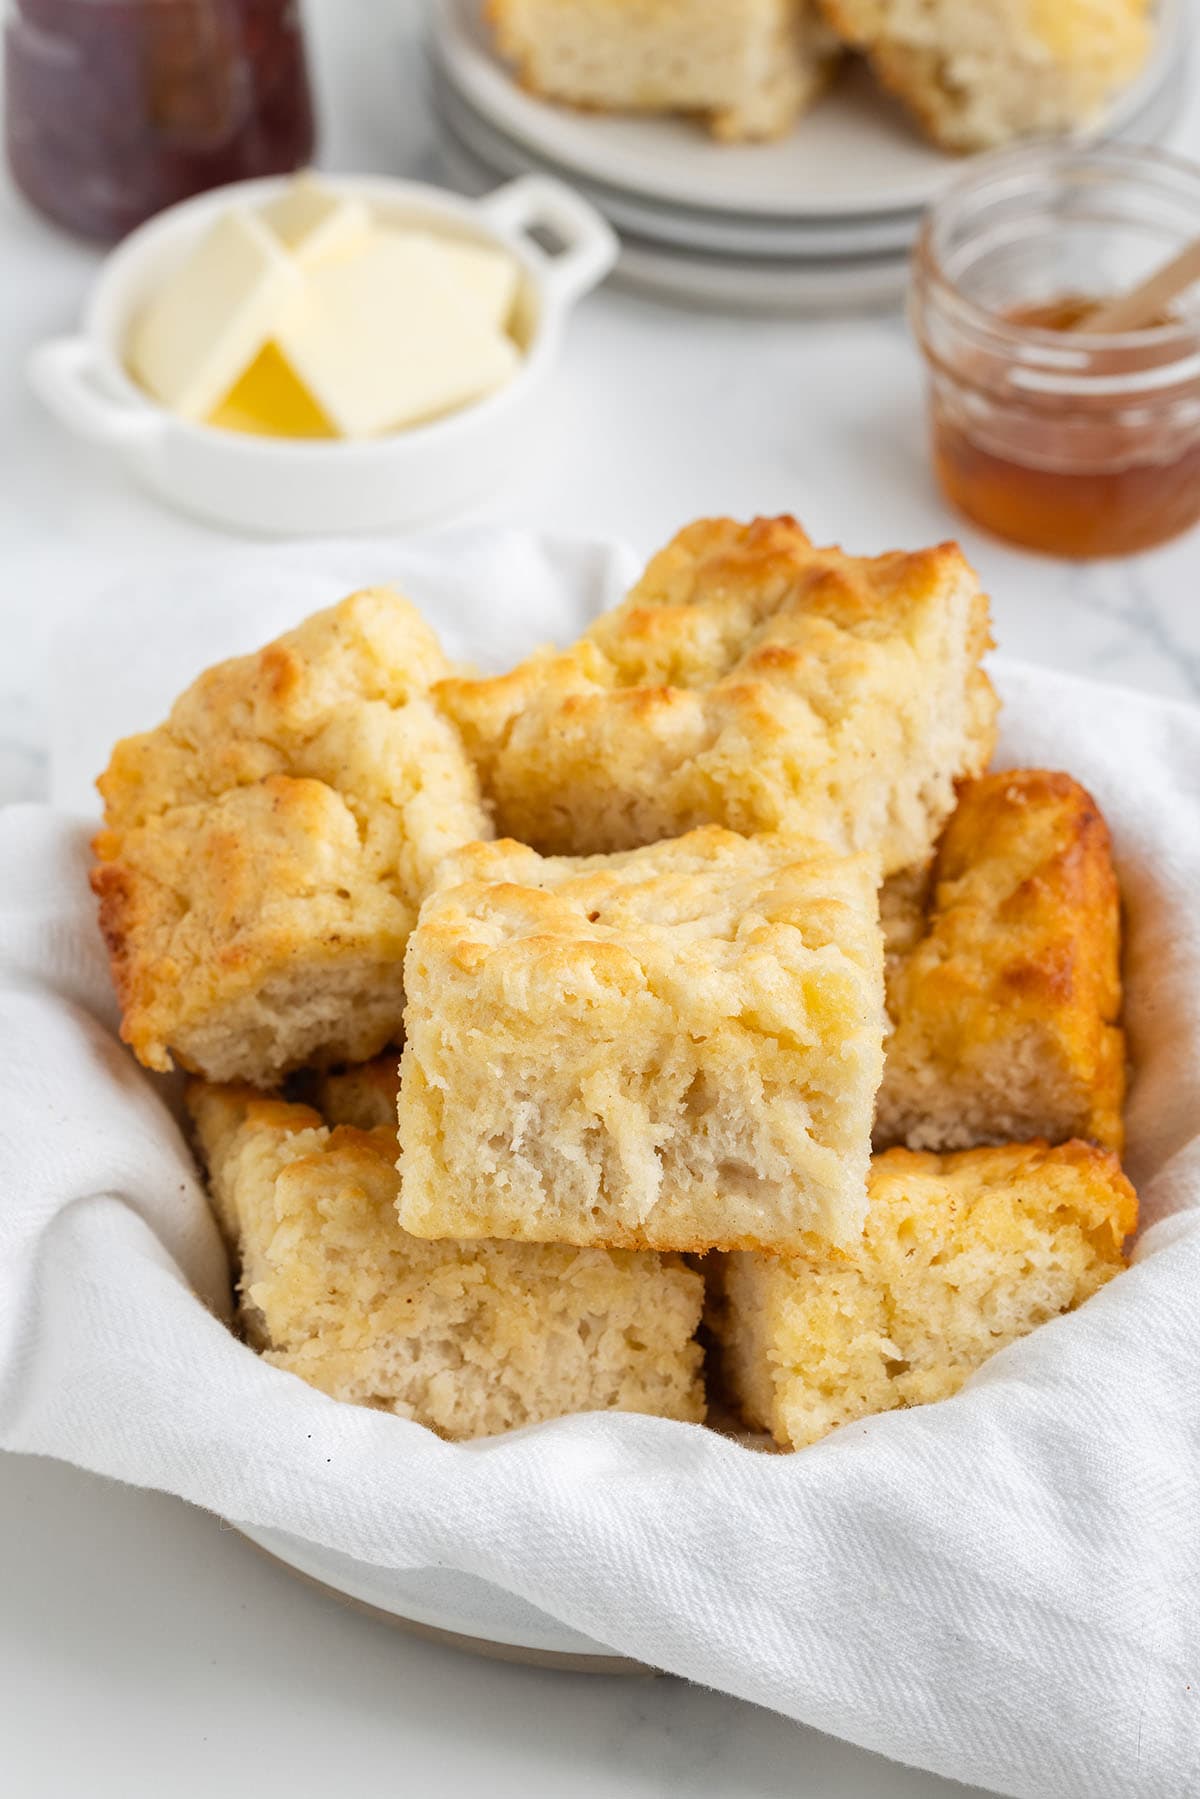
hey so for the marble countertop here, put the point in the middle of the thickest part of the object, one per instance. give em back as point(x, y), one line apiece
point(183, 1660)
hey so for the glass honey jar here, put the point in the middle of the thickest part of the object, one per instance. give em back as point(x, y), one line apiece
point(1065, 441)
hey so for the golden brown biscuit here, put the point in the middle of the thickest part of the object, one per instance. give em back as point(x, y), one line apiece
point(266, 849)
point(962, 1254)
point(975, 75)
point(364, 1095)
point(753, 681)
point(467, 1338)
point(673, 1048)
point(750, 67)
point(1004, 985)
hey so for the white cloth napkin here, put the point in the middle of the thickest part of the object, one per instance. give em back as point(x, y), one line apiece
point(1004, 1588)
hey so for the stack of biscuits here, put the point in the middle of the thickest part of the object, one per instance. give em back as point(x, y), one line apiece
point(971, 73)
point(686, 1009)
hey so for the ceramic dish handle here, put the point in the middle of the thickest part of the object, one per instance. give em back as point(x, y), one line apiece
point(588, 246)
point(64, 375)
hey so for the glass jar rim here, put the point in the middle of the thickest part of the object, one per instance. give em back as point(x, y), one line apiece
point(990, 174)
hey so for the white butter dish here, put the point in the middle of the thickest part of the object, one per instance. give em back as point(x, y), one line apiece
point(301, 487)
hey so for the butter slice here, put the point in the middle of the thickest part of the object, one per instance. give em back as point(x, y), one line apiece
point(268, 401)
point(312, 221)
point(211, 317)
point(384, 338)
point(486, 276)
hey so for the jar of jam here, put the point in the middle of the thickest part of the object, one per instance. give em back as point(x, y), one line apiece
point(117, 108)
point(1063, 440)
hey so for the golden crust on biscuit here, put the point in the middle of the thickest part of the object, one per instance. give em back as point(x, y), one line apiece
point(674, 1048)
point(962, 1254)
point(1004, 988)
point(749, 680)
point(266, 849)
point(467, 1338)
point(364, 1095)
point(748, 67)
point(975, 76)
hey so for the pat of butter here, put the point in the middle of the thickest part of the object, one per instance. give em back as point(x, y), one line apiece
point(268, 401)
point(212, 316)
point(313, 221)
point(486, 276)
point(384, 338)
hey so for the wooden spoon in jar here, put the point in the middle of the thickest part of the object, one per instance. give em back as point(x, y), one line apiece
point(1145, 304)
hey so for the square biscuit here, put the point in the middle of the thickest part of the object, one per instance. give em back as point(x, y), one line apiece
point(962, 1254)
point(748, 67)
point(469, 1339)
point(677, 1047)
point(975, 76)
point(364, 1094)
point(753, 681)
point(1003, 975)
point(265, 850)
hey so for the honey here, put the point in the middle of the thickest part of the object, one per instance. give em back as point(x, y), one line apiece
point(1097, 501)
point(1070, 442)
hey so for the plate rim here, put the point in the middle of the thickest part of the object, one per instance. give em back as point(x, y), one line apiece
point(543, 1642)
point(685, 228)
point(732, 285)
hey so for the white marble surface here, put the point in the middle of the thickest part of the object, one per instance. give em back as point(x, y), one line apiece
point(142, 1648)
point(148, 1653)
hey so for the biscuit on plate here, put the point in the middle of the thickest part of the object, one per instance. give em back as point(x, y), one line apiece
point(467, 1338)
point(753, 681)
point(673, 1048)
point(751, 67)
point(1003, 976)
point(962, 1254)
point(266, 849)
point(977, 74)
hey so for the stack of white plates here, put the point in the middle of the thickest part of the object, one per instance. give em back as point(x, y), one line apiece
point(822, 220)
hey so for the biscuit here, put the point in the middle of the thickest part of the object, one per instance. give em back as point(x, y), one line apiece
point(467, 1338)
point(364, 1095)
point(1003, 975)
point(753, 681)
point(673, 1048)
point(266, 849)
point(962, 1254)
point(749, 67)
point(976, 75)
